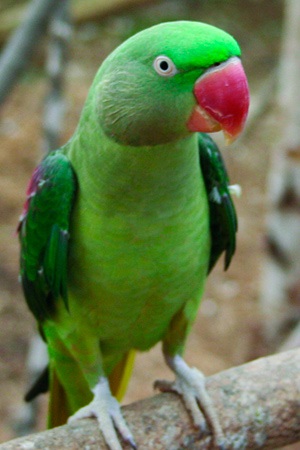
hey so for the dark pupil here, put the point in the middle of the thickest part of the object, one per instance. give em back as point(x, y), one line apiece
point(164, 65)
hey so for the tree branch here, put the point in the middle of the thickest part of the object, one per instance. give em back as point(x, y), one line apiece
point(82, 11)
point(19, 48)
point(60, 31)
point(258, 405)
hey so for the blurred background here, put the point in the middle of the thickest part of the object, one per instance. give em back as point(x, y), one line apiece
point(254, 308)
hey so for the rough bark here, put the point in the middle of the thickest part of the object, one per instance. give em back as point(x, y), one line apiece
point(258, 406)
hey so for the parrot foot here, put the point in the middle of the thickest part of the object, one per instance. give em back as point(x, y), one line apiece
point(190, 385)
point(107, 411)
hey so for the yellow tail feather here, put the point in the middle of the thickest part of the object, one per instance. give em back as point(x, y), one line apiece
point(58, 404)
point(120, 376)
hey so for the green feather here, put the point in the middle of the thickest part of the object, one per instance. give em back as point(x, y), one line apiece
point(223, 219)
point(55, 263)
point(44, 234)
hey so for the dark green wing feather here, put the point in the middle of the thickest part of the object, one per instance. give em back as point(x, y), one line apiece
point(223, 219)
point(44, 234)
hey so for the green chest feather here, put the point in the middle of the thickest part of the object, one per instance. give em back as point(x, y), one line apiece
point(140, 247)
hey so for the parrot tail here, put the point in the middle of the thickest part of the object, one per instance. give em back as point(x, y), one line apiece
point(58, 411)
point(120, 376)
point(60, 407)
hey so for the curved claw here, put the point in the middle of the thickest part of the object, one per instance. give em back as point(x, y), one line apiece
point(108, 413)
point(189, 398)
point(190, 385)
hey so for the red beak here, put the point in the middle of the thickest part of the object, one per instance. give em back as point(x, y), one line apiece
point(222, 96)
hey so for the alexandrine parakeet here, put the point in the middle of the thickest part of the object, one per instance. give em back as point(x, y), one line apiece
point(123, 223)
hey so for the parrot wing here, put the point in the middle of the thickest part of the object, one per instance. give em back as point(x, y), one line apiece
point(223, 218)
point(44, 234)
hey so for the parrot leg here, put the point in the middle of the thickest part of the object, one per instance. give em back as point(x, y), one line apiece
point(107, 410)
point(190, 385)
point(82, 358)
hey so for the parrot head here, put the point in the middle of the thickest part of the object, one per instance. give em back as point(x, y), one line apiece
point(171, 80)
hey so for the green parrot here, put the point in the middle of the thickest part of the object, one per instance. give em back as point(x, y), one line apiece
point(123, 223)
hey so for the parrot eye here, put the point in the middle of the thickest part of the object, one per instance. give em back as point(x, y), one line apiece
point(164, 66)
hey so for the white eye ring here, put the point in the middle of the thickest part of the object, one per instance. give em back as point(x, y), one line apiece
point(164, 66)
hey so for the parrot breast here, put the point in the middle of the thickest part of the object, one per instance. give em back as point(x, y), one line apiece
point(139, 246)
